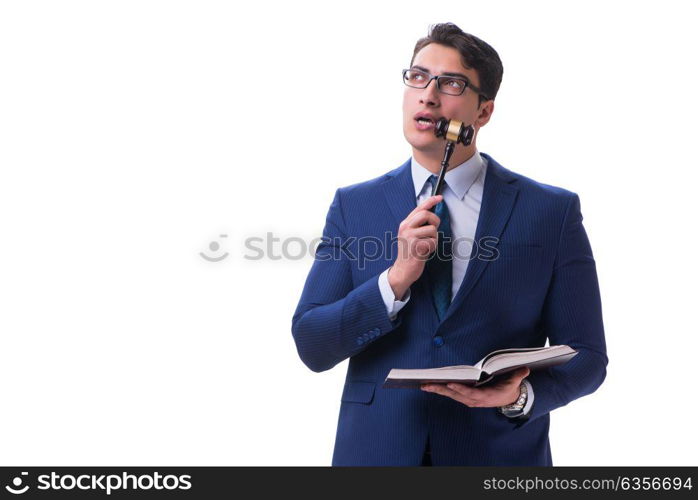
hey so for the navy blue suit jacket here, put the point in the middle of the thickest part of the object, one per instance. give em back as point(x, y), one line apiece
point(541, 285)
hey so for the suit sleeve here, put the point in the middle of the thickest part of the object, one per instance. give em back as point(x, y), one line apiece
point(571, 315)
point(334, 319)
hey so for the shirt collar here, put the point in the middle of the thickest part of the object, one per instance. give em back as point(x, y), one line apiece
point(459, 178)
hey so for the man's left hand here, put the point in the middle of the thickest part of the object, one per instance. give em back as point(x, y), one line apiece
point(501, 393)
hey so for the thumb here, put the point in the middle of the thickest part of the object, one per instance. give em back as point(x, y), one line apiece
point(522, 373)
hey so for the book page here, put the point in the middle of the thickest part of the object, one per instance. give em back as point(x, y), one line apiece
point(484, 360)
point(546, 356)
point(451, 373)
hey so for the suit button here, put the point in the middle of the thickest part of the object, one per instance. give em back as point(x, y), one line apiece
point(438, 341)
point(360, 340)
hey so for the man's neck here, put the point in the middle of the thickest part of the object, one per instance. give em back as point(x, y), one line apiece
point(432, 162)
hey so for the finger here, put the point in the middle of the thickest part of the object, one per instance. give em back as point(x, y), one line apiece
point(474, 396)
point(512, 376)
point(461, 389)
point(423, 217)
point(423, 232)
point(493, 396)
point(427, 204)
point(477, 397)
point(425, 247)
point(443, 390)
point(521, 374)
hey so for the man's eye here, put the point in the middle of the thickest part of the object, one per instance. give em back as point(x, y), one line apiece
point(455, 84)
point(416, 77)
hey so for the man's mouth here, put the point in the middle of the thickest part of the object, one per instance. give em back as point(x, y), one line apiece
point(424, 123)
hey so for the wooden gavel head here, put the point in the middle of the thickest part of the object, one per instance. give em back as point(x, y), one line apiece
point(454, 131)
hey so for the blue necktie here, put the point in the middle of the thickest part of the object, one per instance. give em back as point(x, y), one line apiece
point(439, 266)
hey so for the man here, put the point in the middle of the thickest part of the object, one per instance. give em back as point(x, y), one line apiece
point(497, 261)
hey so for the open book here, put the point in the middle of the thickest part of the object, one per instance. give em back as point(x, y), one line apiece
point(494, 364)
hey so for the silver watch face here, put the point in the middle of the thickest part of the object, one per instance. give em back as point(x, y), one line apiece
point(511, 411)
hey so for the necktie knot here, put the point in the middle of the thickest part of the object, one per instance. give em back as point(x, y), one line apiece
point(432, 181)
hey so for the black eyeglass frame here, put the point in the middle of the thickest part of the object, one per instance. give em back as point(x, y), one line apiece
point(438, 82)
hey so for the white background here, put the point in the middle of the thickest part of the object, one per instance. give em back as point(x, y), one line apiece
point(133, 134)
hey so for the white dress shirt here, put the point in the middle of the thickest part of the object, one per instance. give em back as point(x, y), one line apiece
point(462, 193)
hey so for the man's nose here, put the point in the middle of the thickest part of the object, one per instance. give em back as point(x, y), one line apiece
point(430, 95)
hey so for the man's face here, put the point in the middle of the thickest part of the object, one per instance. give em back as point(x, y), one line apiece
point(438, 59)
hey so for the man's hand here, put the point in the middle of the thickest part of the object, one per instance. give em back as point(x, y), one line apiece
point(501, 393)
point(417, 239)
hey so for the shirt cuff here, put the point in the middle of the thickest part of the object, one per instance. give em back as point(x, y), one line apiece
point(392, 306)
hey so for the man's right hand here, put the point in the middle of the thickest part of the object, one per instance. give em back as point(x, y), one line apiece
point(417, 239)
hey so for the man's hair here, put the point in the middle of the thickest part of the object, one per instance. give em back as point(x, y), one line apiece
point(475, 54)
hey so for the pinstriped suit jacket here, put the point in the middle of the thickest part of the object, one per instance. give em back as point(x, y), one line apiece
point(539, 283)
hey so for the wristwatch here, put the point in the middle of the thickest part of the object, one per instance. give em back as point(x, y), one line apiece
point(514, 409)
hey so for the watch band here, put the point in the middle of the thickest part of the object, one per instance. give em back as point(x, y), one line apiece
point(517, 406)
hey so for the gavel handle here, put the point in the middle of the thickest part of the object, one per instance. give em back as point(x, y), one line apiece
point(450, 146)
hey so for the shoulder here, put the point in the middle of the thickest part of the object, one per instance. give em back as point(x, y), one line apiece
point(375, 182)
point(531, 189)
point(368, 189)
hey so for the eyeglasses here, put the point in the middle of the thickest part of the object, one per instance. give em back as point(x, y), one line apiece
point(450, 85)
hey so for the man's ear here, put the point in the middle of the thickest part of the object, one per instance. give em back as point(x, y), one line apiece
point(484, 113)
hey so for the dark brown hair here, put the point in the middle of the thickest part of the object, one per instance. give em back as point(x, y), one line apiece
point(475, 54)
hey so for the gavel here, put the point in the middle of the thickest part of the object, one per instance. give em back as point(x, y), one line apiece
point(454, 132)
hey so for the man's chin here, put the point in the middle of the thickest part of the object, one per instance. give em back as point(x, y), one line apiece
point(428, 148)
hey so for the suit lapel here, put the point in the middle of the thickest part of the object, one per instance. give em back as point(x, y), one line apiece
point(399, 192)
point(498, 199)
